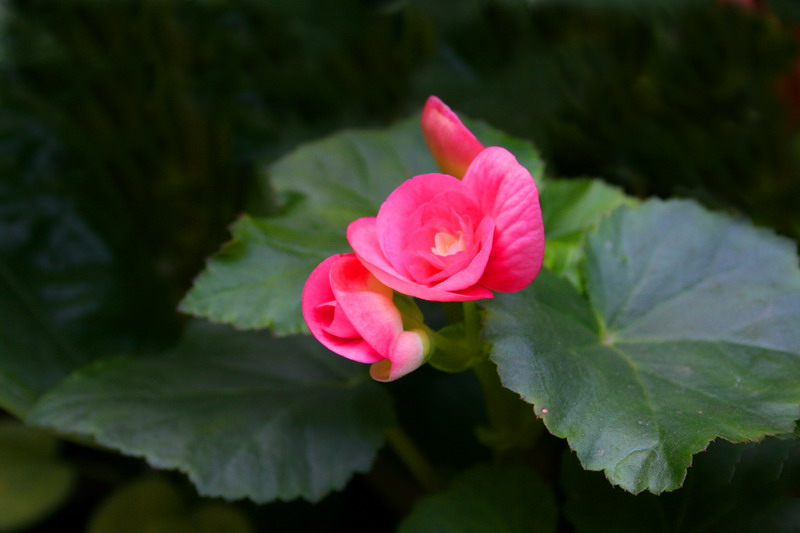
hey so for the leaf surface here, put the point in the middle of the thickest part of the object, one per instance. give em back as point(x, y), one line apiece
point(256, 280)
point(731, 487)
point(500, 499)
point(689, 333)
point(243, 414)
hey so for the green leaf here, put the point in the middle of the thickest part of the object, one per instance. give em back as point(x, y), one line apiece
point(33, 480)
point(569, 209)
point(689, 333)
point(152, 505)
point(256, 280)
point(500, 499)
point(243, 414)
point(736, 488)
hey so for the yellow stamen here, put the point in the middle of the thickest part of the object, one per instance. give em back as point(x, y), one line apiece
point(448, 244)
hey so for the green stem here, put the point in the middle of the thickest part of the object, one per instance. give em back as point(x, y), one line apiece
point(472, 325)
point(413, 458)
point(512, 426)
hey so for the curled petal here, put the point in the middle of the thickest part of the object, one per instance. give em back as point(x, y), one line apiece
point(451, 144)
point(407, 355)
point(507, 192)
point(367, 303)
point(323, 319)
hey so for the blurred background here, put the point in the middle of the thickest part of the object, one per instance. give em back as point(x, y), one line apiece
point(131, 132)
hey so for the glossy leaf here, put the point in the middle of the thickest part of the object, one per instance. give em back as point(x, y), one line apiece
point(243, 414)
point(736, 488)
point(500, 499)
point(256, 280)
point(689, 333)
point(33, 480)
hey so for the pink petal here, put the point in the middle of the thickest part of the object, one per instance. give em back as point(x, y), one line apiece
point(337, 323)
point(368, 303)
point(408, 354)
point(507, 192)
point(362, 238)
point(451, 144)
point(413, 204)
point(317, 294)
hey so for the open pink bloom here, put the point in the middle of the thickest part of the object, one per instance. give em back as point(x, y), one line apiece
point(354, 315)
point(451, 144)
point(440, 238)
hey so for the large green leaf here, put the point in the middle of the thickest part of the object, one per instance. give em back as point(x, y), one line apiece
point(255, 281)
point(690, 333)
point(500, 499)
point(244, 415)
point(736, 488)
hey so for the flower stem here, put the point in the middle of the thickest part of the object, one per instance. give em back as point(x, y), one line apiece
point(472, 324)
point(414, 460)
point(512, 426)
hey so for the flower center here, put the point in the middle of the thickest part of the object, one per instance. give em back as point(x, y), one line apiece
point(448, 244)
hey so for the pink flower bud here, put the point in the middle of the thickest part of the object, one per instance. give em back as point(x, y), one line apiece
point(353, 314)
point(451, 144)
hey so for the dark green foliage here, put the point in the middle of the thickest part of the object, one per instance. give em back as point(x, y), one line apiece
point(688, 333)
point(133, 133)
point(501, 499)
point(735, 488)
point(244, 415)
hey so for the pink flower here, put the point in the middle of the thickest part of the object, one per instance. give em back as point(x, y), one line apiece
point(451, 144)
point(354, 315)
point(440, 238)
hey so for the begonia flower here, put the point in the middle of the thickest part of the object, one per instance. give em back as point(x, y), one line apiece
point(451, 144)
point(354, 315)
point(440, 238)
